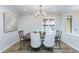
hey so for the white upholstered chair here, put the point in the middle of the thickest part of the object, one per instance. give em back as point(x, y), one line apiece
point(49, 40)
point(35, 40)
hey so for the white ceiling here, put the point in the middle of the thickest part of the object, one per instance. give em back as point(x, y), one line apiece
point(47, 8)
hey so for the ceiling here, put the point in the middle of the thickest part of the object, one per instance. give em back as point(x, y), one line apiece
point(31, 9)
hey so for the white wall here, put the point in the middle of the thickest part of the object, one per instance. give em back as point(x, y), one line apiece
point(71, 39)
point(6, 39)
point(75, 22)
point(29, 23)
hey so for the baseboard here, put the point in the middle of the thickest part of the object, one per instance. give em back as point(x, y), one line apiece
point(9, 46)
point(71, 45)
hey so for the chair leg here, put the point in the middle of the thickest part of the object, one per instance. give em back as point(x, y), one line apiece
point(20, 45)
point(53, 50)
point(59, 45)
point(28, 45)
point(31, 49)
point(23, 43)
point(56, 43)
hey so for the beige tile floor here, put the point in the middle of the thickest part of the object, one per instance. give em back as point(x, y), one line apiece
point(64, 49)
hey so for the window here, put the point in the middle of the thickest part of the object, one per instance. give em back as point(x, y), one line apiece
point(69, 24)
point(49, 24)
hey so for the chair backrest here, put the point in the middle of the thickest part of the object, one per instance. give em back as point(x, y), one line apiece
point(21, 34)
point(49, 40)
point(35, 40)
point(42, 34)
point(58, 34)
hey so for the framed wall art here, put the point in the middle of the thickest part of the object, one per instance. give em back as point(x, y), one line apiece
point(10, 22)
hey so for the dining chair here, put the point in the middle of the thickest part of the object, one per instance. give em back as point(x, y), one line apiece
point(35, 40)
point(23, 39)
point(49, 40)
point(58, 38)
point(42, 34)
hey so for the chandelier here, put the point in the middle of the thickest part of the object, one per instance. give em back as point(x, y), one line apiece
point(40, 12)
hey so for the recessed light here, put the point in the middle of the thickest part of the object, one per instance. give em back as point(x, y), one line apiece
point(25, 9)
point(54, 9)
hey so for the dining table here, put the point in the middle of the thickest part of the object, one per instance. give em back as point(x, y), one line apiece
point(28, 35)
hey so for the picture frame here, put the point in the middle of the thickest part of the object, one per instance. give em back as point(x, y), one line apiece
point(10, 22)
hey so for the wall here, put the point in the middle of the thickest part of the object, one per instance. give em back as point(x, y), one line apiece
point(29, 23)
point(75, 22)
point(6, 39)
point(71, 39)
